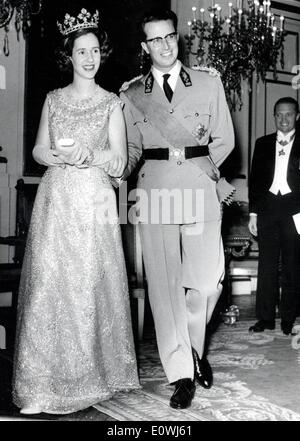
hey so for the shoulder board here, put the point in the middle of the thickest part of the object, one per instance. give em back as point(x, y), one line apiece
point(126, 85)
point(211, 70)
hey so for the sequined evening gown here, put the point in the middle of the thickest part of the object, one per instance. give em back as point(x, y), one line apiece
point(74, 344)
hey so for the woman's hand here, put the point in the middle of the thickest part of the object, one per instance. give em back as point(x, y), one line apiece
point(66, 150)
point(115, 167)
point(69, 152)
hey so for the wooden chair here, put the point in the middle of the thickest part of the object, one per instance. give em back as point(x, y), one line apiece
point(237, 242)
point(238, 245)
point(10, 272)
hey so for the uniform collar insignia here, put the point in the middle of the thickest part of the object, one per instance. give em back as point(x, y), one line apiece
point(186, 79)
point(149, 83)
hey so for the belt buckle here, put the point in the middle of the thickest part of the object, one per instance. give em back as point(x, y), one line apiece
point(177, 154)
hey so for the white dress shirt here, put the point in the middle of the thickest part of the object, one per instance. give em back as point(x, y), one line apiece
point(280, 184)
point(174, 74)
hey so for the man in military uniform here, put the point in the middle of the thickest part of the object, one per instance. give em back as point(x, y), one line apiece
point(181, 125)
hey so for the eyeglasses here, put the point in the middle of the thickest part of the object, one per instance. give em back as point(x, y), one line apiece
point(158, 41)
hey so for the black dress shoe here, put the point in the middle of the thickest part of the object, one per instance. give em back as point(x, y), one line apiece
point(183, 394)
point(261, 325)
point(203, 371)
point(287, 327)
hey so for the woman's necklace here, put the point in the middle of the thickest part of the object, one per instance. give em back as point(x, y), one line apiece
point(86, 97)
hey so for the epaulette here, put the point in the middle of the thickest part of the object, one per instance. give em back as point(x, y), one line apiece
point(211, 70)
point(126, 85)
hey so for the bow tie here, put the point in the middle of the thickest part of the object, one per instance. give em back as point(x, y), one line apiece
point(284, 142)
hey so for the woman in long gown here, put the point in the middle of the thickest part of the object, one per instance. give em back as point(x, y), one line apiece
point(74, 343)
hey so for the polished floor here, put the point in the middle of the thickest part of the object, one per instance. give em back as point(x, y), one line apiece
point(245, 304)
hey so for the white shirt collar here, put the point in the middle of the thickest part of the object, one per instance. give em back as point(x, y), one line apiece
point(285, 136)
point(174, 74)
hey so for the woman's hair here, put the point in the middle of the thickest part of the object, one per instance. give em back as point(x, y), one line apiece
point(64, 52)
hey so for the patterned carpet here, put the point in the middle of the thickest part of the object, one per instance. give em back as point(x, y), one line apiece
point(256, 378)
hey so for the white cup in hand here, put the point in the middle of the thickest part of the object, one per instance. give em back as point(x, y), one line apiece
point(66, 142)
point(66, 146)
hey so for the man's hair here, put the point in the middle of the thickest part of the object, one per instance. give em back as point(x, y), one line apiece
point(287, 100)
point(157, 15)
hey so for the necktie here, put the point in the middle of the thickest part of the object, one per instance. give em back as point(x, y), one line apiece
point(167, 88)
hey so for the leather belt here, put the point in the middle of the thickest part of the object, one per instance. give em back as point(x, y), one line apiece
point(185, 153)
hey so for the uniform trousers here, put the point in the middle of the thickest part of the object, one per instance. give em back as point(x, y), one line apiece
point(184, 267)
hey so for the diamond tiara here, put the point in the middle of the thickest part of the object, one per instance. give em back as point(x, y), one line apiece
point(84, 20)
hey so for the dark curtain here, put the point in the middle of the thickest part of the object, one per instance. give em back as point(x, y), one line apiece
point(118, 17)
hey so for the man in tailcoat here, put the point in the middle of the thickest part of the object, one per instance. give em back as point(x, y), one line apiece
point(274, 206)
point(181, 125)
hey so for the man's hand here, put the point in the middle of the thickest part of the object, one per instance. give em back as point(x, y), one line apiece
point(252, 225)
point(206, 165)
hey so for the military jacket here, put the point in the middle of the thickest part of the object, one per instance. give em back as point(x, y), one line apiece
point(199, 110)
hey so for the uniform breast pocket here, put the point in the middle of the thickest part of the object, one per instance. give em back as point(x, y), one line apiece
point(198, 119)
point(196, 112)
